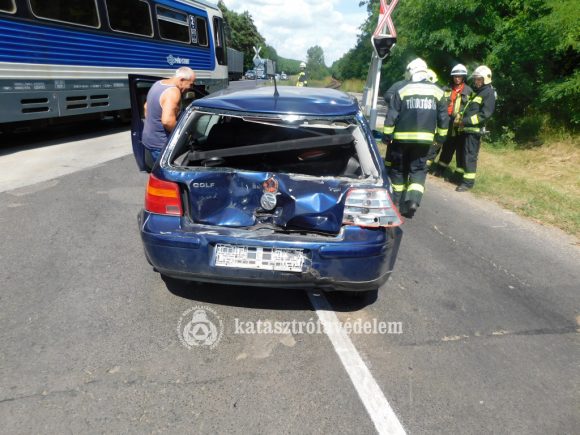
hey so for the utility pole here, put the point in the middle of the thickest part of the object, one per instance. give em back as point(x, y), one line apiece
point(383, 40)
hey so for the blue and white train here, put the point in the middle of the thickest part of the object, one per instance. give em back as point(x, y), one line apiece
point(61, 58)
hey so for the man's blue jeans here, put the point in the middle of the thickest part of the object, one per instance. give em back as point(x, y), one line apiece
point(151, 156)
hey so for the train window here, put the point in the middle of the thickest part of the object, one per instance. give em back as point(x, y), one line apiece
point(218, 34)
point(81, 12)
point(8, 6)
point(173, 25)
point(201, 31)
point(130, 16)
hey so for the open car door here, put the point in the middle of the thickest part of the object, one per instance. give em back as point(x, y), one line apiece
point(139, 86)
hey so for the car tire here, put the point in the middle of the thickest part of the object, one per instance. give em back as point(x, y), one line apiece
point(367, 296)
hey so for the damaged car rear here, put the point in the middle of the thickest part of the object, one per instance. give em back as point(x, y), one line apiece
point(285, 190)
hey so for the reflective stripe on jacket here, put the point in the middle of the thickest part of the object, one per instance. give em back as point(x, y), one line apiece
point(417, 114)
point(479, 109)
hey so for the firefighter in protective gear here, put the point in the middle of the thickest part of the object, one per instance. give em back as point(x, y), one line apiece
point(417, 117)
point(302, 77)
point(388, 97)
point(388, 101)
point(477, 111)
point(458, 96)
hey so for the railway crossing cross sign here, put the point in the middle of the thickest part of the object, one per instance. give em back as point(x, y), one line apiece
point(257, 59)
point(382, 41)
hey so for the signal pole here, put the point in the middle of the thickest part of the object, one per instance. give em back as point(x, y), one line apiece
point(383, 40)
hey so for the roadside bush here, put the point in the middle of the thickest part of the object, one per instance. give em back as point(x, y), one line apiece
point(501, 138)
point(562, 100)
point(528, 129)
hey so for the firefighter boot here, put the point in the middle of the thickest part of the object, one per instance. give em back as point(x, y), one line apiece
point(409, 209)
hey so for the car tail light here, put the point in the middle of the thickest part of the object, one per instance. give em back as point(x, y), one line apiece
point(370, 208)
point(163, 197)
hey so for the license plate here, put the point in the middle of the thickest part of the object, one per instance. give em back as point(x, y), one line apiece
point(252, 257)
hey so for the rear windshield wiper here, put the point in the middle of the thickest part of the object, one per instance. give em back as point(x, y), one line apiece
point(274, 147)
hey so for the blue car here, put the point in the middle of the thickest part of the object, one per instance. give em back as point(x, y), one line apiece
point(280, 190)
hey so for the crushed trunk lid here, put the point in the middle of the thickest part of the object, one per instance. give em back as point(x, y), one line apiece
point(245, 199)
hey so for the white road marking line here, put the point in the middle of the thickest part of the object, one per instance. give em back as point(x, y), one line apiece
point(375, 402)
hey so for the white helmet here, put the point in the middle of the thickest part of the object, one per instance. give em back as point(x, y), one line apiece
point(302, 64)
point(459, 70)
point(484, 72)
point(432, 76)
point(415, 66)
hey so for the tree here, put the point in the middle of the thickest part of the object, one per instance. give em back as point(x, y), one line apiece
point(532, 46)
point(241, 33)
point(315, 65)
point(561, 96)
point(269, 52)
point(289, 66)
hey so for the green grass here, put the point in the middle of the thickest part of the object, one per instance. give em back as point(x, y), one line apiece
point(352, 85)
point(319, 83)
point(539, 201)
point(541, 183)
point(293, 79)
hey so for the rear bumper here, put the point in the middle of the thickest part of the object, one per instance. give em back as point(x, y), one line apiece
point(357, 259)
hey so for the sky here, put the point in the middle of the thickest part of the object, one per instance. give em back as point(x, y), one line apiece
point(293, 26)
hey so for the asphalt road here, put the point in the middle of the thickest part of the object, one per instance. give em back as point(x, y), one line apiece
point(488, 303)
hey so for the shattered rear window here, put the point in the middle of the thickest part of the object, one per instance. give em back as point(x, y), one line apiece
point(283, 144)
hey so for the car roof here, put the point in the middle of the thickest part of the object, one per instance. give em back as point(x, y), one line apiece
point(291, 101)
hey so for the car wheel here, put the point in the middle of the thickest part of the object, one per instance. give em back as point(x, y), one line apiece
point(368, 296)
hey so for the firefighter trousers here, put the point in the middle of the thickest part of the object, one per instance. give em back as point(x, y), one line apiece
point(388, 162)
point(449, 148)
point(467, 154)
point(408, 171)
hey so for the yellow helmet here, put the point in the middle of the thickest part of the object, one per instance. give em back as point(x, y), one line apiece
point(484, 72)
point(432, 76)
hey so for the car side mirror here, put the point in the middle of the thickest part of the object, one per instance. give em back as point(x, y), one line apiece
point(198, 91)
